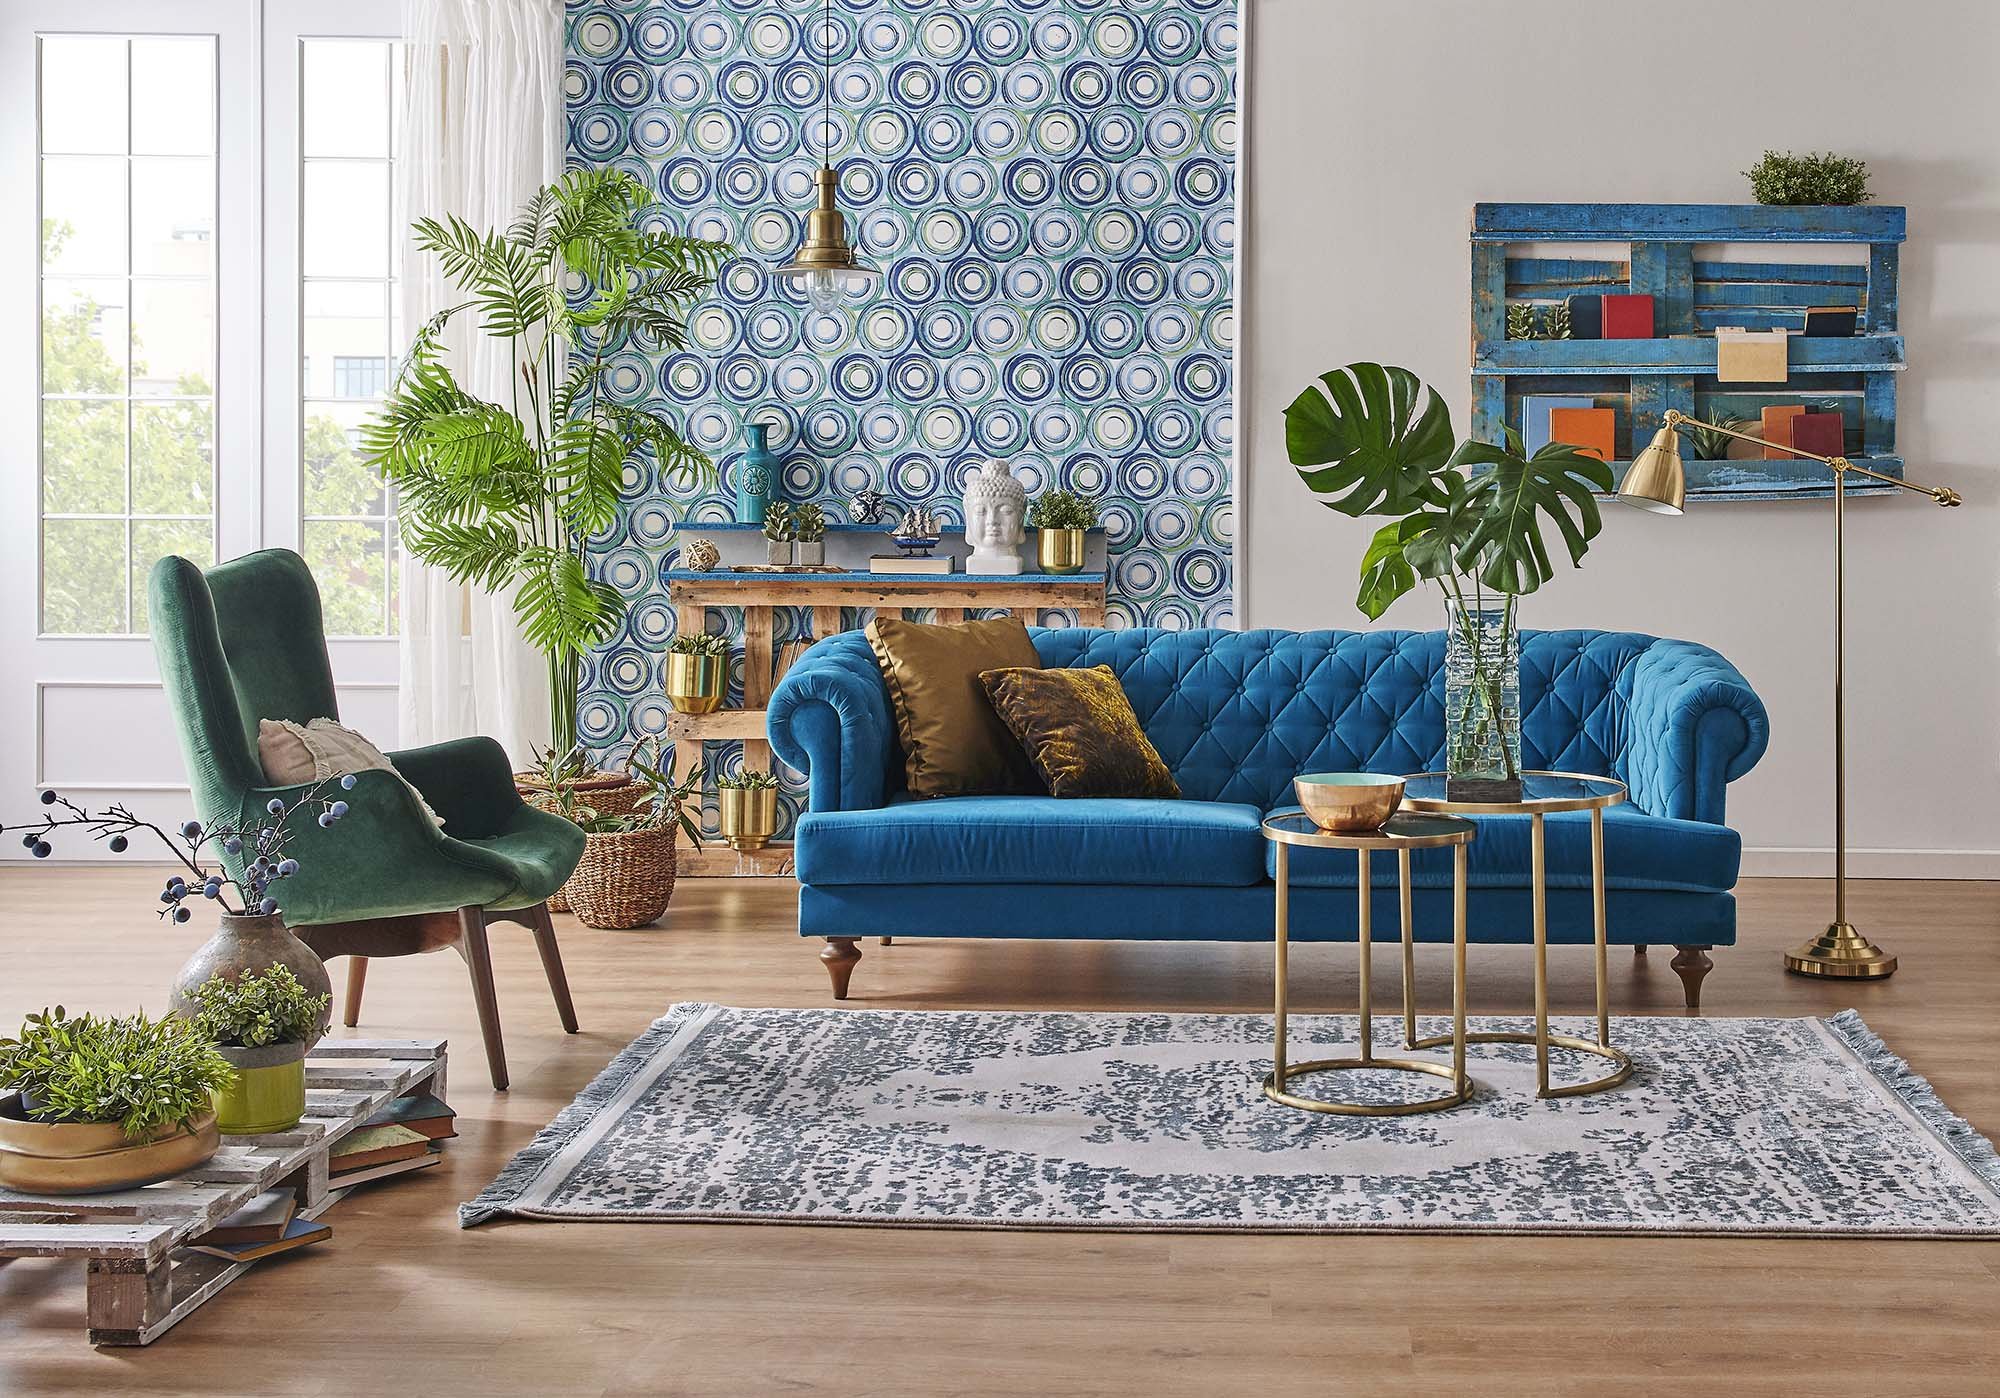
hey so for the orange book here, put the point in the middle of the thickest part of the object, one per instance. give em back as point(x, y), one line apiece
point(1592, 431)
point(1778, 430)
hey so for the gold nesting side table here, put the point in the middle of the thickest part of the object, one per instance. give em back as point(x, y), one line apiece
point(1404, 832)
point(1544, 794)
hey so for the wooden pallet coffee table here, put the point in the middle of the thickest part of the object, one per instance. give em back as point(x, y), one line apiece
point(138, 1285)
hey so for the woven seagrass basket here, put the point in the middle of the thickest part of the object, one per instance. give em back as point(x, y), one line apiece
point(608, 793)
point(624, 879)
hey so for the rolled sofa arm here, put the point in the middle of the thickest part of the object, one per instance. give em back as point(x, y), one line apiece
point(829, 718)
point(1694, 725)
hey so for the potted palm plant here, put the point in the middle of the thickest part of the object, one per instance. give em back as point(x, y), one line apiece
point(626, 876)
point(696, 664)
point(1467, 516)
point(748, 808)
point(510, 495)
point(94, 1104)
point(1060, 519)
point(262, 1023)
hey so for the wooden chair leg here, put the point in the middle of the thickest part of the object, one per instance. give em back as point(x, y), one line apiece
point(1639, 949)
point(840, 955)
point(479, 960)
point(357, 977)
point(1691, 964)
point(552, 967)
point(888, 941)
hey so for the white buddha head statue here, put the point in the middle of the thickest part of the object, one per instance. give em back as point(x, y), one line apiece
point(996, 510)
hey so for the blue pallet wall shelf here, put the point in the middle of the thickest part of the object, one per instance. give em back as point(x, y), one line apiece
point(1693, 293)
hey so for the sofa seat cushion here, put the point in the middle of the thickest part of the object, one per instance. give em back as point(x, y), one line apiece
point(1641, 853)
point(1034, 840)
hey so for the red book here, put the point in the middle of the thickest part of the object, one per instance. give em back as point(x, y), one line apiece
point(1628, 317)
point(1818, 433)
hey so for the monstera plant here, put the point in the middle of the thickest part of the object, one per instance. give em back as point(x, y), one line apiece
point(508, 495)
point(1468, 516)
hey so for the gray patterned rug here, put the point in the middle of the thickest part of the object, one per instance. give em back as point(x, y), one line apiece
point(977, 1119)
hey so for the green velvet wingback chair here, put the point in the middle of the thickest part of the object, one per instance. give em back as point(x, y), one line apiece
point(245, 642)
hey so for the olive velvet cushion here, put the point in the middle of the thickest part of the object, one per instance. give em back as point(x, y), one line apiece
point(1079, 730)
point(953, 742)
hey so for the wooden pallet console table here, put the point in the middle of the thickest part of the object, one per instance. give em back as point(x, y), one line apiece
point(138, 1283)
point(824, 595)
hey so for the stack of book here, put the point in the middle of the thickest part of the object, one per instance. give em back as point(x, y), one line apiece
point(406, 1135)
point(261, 1228)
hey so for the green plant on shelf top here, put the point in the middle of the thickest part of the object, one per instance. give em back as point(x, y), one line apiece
point(136, 1072)
point(706, 644)
point(746, 781)
point(1062, 509)
point(808, 523)
point(1813, 178)
point(781, 524)
point(509, 495)
point(1711, 445)
point(258, 1008)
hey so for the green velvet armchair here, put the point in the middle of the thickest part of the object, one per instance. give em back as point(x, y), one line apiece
point(245, 642)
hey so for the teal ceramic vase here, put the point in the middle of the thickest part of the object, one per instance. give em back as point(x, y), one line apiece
point(756, 475)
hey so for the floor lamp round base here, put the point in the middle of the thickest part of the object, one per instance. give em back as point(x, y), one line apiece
point(1841, 953)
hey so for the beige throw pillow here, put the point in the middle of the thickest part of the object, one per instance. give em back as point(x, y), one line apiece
point(294, 755)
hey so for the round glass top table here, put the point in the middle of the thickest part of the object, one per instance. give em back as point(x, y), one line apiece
point(1545, 794)
point(1403, 832)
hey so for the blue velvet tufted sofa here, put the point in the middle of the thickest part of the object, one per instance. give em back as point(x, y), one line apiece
point(1236, 715)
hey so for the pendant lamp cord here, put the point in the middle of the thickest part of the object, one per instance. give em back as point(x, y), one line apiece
point(826, 85)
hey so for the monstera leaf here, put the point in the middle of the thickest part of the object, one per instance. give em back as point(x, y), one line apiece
point(1513, 496)
point(1420, 545)
point(1377, 435)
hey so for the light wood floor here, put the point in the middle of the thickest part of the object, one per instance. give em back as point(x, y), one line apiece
point(402, 1301)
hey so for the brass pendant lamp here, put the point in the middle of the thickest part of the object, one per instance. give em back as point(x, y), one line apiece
point(825, 267)
point(1657, 483)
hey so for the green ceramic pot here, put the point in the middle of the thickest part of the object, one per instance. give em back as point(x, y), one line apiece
point(269, 1093)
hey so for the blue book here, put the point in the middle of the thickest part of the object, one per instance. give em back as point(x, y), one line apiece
point(1535, 415)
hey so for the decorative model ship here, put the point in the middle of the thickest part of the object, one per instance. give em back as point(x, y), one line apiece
point(917, 532)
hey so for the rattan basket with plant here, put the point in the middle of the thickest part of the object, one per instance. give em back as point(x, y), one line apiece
point(626, 876)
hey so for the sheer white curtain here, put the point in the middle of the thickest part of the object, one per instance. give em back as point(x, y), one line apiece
point(482, 130)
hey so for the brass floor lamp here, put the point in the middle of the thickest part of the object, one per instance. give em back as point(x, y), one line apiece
point(1657, 483)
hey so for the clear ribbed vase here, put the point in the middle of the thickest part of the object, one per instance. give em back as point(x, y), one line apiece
point(1482, 702)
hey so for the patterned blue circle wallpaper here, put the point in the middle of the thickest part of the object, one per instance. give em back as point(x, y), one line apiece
point(1049, 188)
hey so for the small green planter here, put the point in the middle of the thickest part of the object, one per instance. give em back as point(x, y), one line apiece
point(269, 1093)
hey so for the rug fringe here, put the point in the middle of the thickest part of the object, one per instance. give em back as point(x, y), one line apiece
point(521, 1171)
point(1916, 1093)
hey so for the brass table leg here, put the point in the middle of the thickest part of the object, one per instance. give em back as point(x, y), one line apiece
point(1459, 879)
point(1600, 925)
point(1409, 949)
point(1538, 862)
point(1277, 1085)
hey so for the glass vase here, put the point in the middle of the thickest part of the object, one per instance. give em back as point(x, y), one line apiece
point(1482, 702)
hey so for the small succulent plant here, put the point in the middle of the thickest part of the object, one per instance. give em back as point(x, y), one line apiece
point(258, 1008)
point(808, 523)
point(1062, 509)
point(259, 848)
point(746, 780)
point(702, 643)
point(1710, 445)
point(137, 1072)
point(1520, 321)
point(780, 525)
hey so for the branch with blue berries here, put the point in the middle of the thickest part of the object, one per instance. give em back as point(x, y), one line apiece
point(266, 864)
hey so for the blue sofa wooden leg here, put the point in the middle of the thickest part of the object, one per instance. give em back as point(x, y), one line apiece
point(840, 955)
point(1691, 964)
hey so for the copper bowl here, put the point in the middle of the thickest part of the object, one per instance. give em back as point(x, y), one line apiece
point(1347, 802)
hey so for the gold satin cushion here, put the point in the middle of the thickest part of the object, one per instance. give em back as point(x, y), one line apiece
point(1078, 728)
point(953, 742)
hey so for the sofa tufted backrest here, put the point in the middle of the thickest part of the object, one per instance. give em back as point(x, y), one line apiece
point(1237, 714)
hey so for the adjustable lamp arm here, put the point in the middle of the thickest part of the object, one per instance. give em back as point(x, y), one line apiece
point(1841, 465)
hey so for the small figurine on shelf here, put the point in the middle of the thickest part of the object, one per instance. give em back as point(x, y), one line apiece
point(780, 530)
point(868, 507)
point(917, 532)
point(809, 536)
point(995, 509)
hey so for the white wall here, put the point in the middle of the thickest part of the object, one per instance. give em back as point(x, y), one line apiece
point(1374, 127)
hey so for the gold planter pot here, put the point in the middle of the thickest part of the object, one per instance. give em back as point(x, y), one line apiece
point(1059, 550)
point(95, 1157)
point(694, 682)
point(748, 817)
